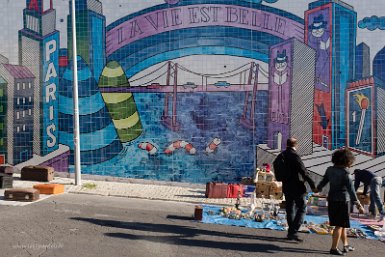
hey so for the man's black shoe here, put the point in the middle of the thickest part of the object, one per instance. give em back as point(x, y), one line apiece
point(337, 252)
point(294, 238)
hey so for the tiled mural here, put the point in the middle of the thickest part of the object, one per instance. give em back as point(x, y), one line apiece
point(191, 90)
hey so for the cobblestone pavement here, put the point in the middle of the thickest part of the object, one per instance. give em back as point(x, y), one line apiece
point(142, 189)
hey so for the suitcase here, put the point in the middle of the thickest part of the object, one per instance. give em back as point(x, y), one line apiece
point(37, 173)
point(6, 180)
point(234, 190)
point(50, 189)
point(21, 194)
point(216, 190)
point(198, 212)
point(8, 169)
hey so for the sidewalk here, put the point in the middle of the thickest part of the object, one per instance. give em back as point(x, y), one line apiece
point(131, 188)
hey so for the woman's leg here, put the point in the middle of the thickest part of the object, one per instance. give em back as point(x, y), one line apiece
point(344, 237)
point(336, 237)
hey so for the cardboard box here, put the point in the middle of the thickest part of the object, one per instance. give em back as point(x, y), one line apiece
point(263, 188)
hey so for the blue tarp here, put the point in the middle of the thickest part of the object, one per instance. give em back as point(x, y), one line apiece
point(211, 214)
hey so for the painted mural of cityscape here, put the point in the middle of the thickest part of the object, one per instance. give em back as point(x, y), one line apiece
point(192, 90)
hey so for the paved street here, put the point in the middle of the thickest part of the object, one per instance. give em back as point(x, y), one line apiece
point(90, 225)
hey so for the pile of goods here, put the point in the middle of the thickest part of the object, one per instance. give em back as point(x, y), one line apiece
point(317, 205)
point(233, 213)
point(266, 186)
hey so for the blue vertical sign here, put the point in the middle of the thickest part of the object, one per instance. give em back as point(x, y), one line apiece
point(50, 83)
point(360, 119)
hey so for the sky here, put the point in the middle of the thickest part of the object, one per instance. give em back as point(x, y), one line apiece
point(12, 23)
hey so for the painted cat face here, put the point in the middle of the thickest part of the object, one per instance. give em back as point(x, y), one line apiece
point(280, 66)
point(318, 32)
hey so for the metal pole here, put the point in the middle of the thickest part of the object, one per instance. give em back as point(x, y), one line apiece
point(78, 180)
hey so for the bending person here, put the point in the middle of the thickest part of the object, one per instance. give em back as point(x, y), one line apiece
point(370, 180)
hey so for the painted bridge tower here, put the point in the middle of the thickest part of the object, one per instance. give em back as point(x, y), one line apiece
point(39, 51)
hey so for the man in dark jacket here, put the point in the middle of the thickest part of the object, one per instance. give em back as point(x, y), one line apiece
point(294, 189)
point(370, 180)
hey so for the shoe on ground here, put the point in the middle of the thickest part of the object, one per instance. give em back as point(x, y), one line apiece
point(337, 252)
point(348, 248)
point(382, 217)
point(294, 238)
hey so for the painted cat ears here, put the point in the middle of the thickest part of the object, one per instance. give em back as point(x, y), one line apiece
point(318, 23)
point(281, 57)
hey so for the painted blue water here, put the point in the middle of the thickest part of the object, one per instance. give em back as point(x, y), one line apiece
point(203, 116)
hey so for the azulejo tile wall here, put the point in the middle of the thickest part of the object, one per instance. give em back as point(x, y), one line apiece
point(191, 90)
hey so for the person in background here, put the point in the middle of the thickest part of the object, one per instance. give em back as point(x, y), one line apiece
point(370, 180)
point(294, 189)
point(341, 194)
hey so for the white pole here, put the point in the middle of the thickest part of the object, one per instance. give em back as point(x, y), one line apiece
point(78, 180)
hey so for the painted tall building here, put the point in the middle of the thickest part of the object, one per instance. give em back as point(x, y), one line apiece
point(20, 121)
point(366, 116)
point(291, 88)
point(3, 120)
point(379, 64)
point(91, 34)
point(39, 51)
point(331, 28)
point(362, 69)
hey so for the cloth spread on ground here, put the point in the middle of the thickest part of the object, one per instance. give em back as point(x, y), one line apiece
point(211, 214)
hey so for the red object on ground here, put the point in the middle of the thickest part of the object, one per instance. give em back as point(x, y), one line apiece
point(233, 190)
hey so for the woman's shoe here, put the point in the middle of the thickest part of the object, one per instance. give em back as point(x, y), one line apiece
point(348, 248)
point(337, 252)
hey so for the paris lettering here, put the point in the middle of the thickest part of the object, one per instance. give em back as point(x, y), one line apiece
point(50, 91)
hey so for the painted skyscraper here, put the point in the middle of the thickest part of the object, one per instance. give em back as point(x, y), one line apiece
point(291, 88)
point(366, 116)
point(20, 123)
point(3, 123)
point(362, 69)
point(379, 64)
point(39, 51)
point(331, 28)
point(91, 34)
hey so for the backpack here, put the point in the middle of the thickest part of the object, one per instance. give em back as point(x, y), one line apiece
point(280, 169)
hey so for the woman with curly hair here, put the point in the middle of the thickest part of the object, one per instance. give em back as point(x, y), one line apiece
point(341, 194)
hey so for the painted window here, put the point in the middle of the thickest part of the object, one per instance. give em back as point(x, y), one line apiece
point(18, 86)
point(18, 129)
point(29, 84)
point(29, 111)
point(17, 115)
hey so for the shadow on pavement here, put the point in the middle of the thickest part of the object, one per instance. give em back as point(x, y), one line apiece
point(175, 217)
point(187, 235)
